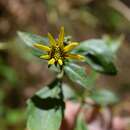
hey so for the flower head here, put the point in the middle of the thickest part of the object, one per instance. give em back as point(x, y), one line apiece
point(57, 51)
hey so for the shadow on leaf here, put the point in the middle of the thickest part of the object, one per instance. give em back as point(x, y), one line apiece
point(47, 103)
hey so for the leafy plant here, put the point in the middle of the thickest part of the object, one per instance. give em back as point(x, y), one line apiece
point(46, 107)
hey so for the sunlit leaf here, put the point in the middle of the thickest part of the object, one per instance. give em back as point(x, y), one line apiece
point(98, 55)
point(68, 92)
point(45, 108)
point(77, 74)
point(29, 39)
point(104, 97)
point(113, 43)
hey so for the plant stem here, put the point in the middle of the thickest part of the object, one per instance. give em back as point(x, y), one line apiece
point(60, 74)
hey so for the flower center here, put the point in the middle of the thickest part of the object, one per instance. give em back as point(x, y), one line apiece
point(57, 53)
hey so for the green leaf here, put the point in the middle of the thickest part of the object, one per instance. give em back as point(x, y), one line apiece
point(15, 116)
point(104, 97)
point(113, 43)
point(77, 74)
point(45, 108)
point(80, 123)
point(98, 55)
point(30, 39)
point(68, 92)
point(9, 74)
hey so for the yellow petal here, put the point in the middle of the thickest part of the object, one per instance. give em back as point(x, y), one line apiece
point(42, 47)
point(51, 39)
point(70, 46)
point(46, 57)
point(60, 62)
point(75, 56)
point(61, 35)
point(51, 61)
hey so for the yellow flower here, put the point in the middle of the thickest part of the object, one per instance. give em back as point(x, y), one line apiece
point(57, 51)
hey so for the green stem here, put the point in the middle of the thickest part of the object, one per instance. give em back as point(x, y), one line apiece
point(62, 99)
point(60, 74)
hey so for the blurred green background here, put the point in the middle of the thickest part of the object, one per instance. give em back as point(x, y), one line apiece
point(21, 74)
